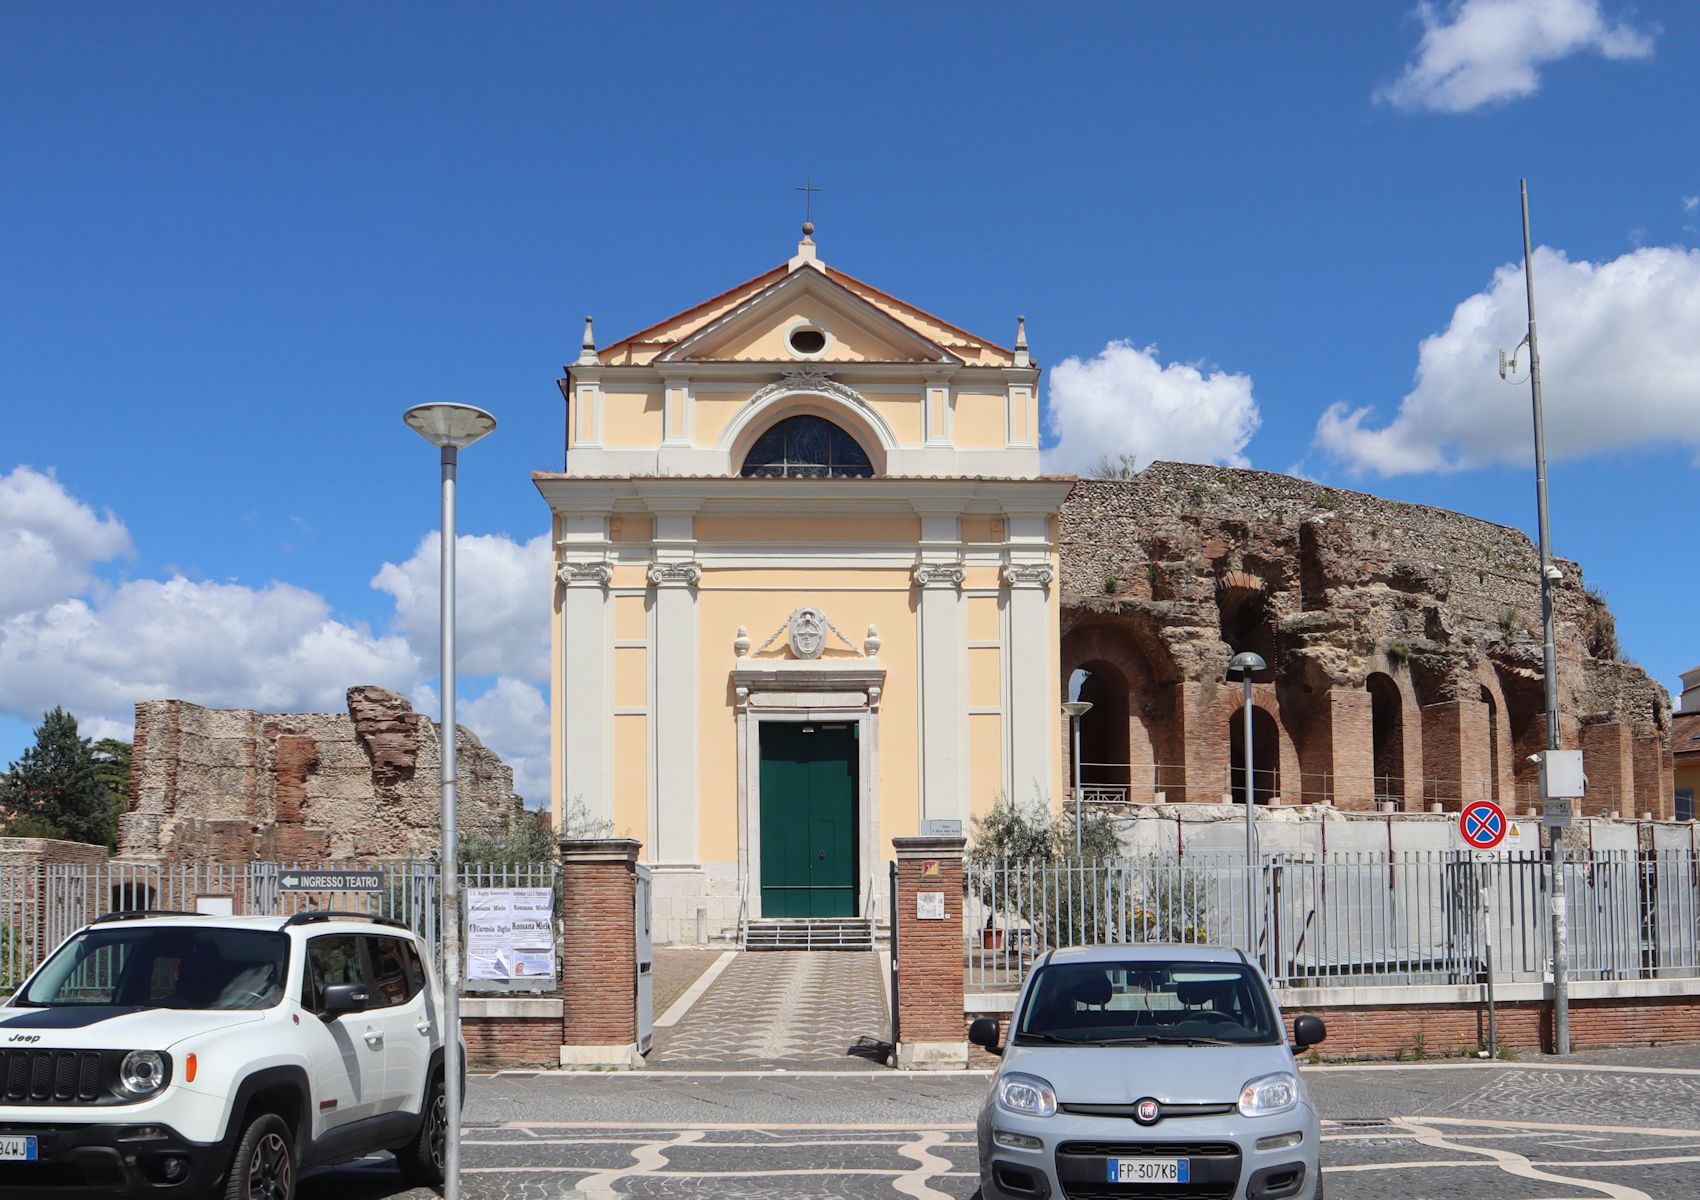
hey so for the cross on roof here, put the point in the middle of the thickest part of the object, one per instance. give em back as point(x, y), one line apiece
point(808, 189)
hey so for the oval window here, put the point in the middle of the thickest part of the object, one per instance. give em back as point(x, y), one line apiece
point(808, 340)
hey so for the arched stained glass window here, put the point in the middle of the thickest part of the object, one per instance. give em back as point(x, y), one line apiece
point(806, 447)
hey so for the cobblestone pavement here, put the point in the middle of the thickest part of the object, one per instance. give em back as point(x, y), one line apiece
point(796, 1009)
point(1528, 1131)
point(675, 971)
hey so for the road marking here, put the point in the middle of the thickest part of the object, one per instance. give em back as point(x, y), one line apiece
point(927, 1165)
point(1553, 1127)
point(682, 1005)
point(1494, 1065)
point(746, 1126)
point(646, 1158)
point(1516, 1164)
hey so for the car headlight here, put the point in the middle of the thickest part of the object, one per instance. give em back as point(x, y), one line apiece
point(1027, 1094)
point(142, 1072)
point(1269, 1094)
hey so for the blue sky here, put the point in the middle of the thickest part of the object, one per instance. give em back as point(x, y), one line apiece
point(237, 241)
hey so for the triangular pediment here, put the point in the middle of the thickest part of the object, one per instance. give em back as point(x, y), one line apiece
point(761, 328)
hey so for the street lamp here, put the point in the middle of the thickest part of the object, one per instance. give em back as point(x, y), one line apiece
point(1248, 664)
point(1075, 710)
point(449, 427)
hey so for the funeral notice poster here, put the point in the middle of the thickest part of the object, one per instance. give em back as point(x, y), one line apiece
point(510, 934)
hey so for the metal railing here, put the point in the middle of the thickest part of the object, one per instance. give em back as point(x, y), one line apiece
point(1361, 919)
point(1111, 784)
point(41, 904)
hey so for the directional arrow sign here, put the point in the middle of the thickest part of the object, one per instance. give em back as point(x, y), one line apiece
point(332, 881)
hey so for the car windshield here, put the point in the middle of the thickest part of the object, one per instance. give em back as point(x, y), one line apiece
point(164, 966)
point(1150, 1002)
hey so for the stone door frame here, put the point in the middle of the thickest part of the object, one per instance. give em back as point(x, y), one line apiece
point(832, 691)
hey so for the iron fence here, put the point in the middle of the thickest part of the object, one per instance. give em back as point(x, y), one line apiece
point(1370, 918)
point(41, 904)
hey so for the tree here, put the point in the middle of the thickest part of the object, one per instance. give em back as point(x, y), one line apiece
point(112, 764)
point(55, 788)
point(1120, 464)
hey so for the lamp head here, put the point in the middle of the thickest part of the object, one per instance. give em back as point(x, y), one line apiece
point(1077, 708)
point(446, 425)
point(1246, 664)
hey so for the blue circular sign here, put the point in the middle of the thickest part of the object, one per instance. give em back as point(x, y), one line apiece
point(1483, 824)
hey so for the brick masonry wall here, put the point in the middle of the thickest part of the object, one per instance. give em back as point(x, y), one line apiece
point(929, 953)
point(496, 1042)
point(599, 942)
point(1451, 1030)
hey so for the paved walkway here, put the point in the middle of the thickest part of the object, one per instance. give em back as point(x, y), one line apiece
point(675, 971)
point(793, 1009)
point(1541, 1130)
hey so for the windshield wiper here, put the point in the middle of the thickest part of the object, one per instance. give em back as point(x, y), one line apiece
point(1055, 1040)
point(1152, 1039)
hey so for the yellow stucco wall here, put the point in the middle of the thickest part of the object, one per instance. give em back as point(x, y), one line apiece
point(631, 418)
point(979, 421)
point(761, 600)
point(712, 412)
point(807, 530)
point(849, 340)
point(631, 776)
point(902, 413)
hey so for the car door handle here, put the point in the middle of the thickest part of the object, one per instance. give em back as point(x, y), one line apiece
point(374, 1037)
point(424, 1027)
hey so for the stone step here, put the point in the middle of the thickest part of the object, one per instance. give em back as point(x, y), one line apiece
point(809, 933)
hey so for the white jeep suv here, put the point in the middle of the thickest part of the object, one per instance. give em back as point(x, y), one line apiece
point(181, 1055)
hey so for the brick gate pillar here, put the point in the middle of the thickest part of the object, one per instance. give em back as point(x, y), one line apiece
point(928, 921)
point(599, 953)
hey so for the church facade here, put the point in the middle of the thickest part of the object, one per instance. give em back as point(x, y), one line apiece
point(806, 593)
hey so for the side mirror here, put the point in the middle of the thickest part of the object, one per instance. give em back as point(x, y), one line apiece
point(342, 998)
point(1307, 1032)
point(983, 1031)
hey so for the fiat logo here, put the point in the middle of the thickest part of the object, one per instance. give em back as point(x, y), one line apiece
point(1147, 1111)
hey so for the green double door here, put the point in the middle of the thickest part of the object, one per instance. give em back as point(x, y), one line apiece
point(808, 819)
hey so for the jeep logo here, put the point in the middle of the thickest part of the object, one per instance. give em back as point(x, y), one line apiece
point(24, 1037)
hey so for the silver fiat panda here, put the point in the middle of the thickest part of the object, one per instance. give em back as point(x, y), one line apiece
point(1148, 1071)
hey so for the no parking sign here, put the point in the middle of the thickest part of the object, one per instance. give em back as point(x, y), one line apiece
point(1483, 824)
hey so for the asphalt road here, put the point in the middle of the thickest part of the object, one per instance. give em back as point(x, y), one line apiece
point(1624, 1125)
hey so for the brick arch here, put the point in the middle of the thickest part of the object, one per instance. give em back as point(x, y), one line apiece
point(1148, 739)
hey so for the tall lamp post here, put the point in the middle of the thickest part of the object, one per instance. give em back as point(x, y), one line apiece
point(449, 427)
point(1248, 664)
point(1075, 710)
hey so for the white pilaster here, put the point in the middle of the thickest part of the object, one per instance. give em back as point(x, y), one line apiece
point(1034, 695)
point(943, 663)
point(586, 650)
point(674, 575)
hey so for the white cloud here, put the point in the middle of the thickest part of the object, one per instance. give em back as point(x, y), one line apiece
point(1491, 51)
point(1123, 400)
point(512, 718)
point(66, 638)
point(274, 648)
point(49, 541)
point(502, 597)
point(1620, 368)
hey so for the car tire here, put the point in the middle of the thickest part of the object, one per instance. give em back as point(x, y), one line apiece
point(421, 1160)
point(263, 1167)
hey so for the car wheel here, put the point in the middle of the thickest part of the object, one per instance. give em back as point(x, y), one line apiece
point(422, 1160)
point(264, 1164)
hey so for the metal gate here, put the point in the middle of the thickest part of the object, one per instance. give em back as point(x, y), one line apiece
point(645, 962)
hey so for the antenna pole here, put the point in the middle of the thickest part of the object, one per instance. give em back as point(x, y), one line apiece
point(1549, 657)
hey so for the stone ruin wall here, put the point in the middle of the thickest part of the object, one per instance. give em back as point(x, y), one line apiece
point(233, 784)
point(1404, 643)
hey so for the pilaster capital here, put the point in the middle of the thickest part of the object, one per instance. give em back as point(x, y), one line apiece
point(585, 574)
point(681, 573)
point(1038, 575)
point(939, 575)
